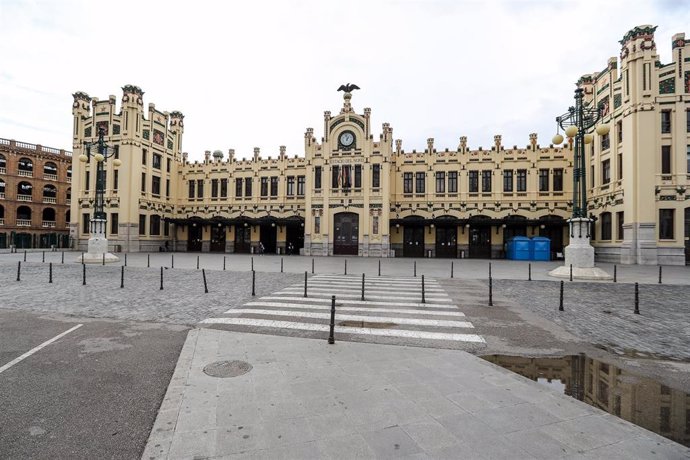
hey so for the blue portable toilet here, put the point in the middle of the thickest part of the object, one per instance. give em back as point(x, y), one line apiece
point(521, 248)
point(540, 248)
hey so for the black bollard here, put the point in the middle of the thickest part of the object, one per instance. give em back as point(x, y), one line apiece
point(362, 286)
point(659, 274)
point(637, 299)
point(331, 337)
point(197, 262)
point(529, 272)
point(346, 266)
point(560, 297)
point(223, 263)
point(305, 284)
point(571, 272)
point(491, 290)
point(148, 260)
point(281, 265)
point(252, 263)
point(83, 275)
point(615, 277)
point(104, 258)
point(19, 271)
point(489, 269)
point(312, 266)
point(161, 278)
point(62, 258)
point(82, 258)
point(379, 267)
point(43, 257)
point(172, 260)
point(203, 273)
point(423, 293)
point(253, 282)
point(50, 272)
point(451, 269)
point(415, 268)
point(25, 255)
point(122, 277)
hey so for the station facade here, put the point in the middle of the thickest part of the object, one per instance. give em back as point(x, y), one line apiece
point(358, 192)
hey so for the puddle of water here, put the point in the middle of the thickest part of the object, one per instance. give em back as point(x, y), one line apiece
point(366, 324)
point(639, 400)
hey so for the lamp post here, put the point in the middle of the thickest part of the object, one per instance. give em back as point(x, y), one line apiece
point(98, 243)
point(577, 124)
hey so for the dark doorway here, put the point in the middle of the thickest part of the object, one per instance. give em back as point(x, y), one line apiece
point(413, 240)
point(243, 239)
point(553, 230)
point(268, 237)
point(217, 239)
point(446, 241)
point(194, 232)
point(687, 236)
point(294, 238)
point(346, 234)
point(22, 240)
point(480, 241)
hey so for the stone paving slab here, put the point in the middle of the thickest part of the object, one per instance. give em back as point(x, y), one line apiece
point(375, 401)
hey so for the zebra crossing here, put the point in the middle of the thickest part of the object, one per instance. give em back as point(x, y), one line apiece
point(393, 310)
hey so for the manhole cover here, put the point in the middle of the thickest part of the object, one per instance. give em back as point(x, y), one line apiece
point(225, 369)
point(366, 324)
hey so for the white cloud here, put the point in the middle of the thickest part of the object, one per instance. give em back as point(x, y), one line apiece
point(249, 74)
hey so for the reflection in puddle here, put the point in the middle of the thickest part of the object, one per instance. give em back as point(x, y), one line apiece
point(642, 401)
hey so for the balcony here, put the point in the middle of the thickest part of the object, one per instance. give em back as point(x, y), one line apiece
point(24, 198)
point(23, 222)
point(2, 221)
point(2, 195)
point(3, 170)
point(49, 199)
point(69, 178)
point(50, 176)
point(48, 224)
point(23, 173)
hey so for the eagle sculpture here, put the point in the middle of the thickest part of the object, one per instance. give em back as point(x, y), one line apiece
point(348, 87)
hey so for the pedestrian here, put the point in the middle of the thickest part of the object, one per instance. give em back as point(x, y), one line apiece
point(261, 248)
point(166, 245)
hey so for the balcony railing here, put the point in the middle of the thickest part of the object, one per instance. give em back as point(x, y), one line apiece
point(3, 170)
point(23, 173)
point(2, 221)
point(48, 224)
point(23, 222)
point(68, 201)
point(49, 199)
point(23, 197)
point(50, 176)
point(69, 178)
point(2, 195)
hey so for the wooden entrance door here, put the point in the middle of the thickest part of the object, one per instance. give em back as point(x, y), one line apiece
point(194, 238)
point(217, 239)
point(413, 240)
point(243, 239)
point(446, 241)
point(480, 242)
point(268, 235)
point(346, 233)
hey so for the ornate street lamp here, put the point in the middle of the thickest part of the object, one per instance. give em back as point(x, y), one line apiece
point(98, 243)
point(577, 123)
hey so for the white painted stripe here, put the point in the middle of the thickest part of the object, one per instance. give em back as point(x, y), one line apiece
point(371, 286)
point(359, 296)
point(347, 330)
point(321, 298)
point(375, 279)
point(373, 319)
point(38, 348)
point(346, 293)
point(327, 306)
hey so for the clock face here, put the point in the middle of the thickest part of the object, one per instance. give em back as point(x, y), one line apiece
point(347, 138)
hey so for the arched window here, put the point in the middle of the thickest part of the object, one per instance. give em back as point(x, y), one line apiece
point(2, 212)
point(50, 170)
point(69, 174)
point(25, 167)
point(24, 191)
point(48, 216)
point(606, 226)
point(24, 216)
point(3, 164)
point(2, 188)
point(68, 194)
point(67, 215)
point(49, 191)
point(155, 226)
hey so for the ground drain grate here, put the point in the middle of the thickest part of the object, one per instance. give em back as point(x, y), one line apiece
point(366, 324)
point(225, 369)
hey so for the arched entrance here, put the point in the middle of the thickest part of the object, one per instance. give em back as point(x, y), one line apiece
point(413, 236)
point(294, 235)
point(194, 235)
point(268, 235)
point(552, 227)
point(446, 236)
point(243, 238)
point(217, 238)
point(346, 233)
point(480, 237)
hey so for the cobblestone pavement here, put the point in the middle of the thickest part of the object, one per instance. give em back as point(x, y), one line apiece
point(182, 301)
point(603, 314)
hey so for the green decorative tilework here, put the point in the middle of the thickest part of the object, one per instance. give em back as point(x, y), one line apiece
point(116, 129)
point(170, 144)
point(87, 132)
point(667, 86)
point(146, 134)
point(617, 100)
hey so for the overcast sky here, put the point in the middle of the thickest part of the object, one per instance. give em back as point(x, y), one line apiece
point(256, 74)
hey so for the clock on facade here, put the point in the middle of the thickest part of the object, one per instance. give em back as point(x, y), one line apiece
point(346, 139)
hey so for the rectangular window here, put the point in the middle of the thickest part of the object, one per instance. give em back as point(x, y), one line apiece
point(606, 171)
point(301, 181)
point(358, 176)
point(620, 167)
point(199, 188)
point(248, 187)
point(521, 180)
point(274, 186)
point(317, 177)
point(264, 186)
point(606, 226)
point(114, 224)
point(376, 176)
point(687, 121)
point(474, 181)
point(156, 185)
point(345, 176)
point(591, 176)
point(191, 188)
point(335, 174)
point(290, 186)
point(440, 182)
point(167, 187)
point(223, 188)
point(85, 222)
point(619, 131)
point(543, 180)
point(166, 228)
point(168, 165)
point(453, 182)
point(144, 154)
point(619, 222)
point(407, 182)
point(605, 142)
point(142, 224)
point(486, 181)
point(87, 180)
point(508, 180)
point(116, 148)
point(665, 159)
point(116, 179)
point(214, 188)
point(665, 121)
point(238, 187)
point(419, 179)
point(666, 224)
point(558, 180)
point(317, 225)
point(155, 225)
point(143, 182)
point(375, 225)
point(156, 163)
